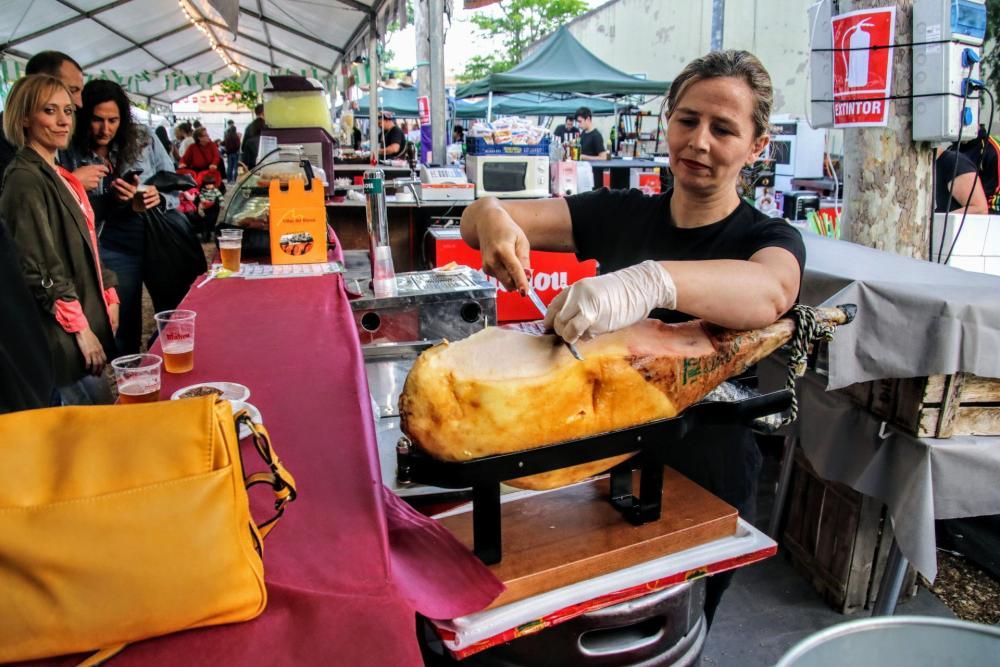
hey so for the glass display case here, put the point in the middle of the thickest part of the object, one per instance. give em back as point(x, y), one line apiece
point(249, 207)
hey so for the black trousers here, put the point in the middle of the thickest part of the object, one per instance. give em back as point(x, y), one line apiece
point(725, 461)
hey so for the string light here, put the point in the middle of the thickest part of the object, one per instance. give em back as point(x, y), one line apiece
point(200, 25)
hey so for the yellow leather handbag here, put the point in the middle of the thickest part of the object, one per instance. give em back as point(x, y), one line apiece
point(119, 523)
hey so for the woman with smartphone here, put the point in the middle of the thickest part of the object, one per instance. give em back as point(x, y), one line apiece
point(106, 133)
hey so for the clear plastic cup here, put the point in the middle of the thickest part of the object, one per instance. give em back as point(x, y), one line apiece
point(176, 329)
point(138, 378)
point(230, 247)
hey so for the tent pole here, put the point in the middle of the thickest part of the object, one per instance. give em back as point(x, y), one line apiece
point(489, 107)
point(439, 104)
point(373, 124)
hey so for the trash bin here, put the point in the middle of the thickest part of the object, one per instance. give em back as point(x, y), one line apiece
point(898, 641)
point(666, 627)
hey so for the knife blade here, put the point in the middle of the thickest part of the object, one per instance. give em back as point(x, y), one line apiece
point(540, 305)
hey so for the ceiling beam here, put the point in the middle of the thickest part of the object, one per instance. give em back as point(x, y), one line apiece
point(250, 38)
point(80, 16)
point(191, 56)
point(197, 10)
point(163, 35)
point(267, 33)
point(250, 56)
point(112, 30)
point(354, 4)
point(287, 28)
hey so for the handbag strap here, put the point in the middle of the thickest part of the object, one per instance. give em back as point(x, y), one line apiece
point(279, 479)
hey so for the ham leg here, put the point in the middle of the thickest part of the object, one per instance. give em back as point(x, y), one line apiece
point(503, 390)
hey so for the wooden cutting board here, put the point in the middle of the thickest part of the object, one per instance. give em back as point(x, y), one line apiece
point(571, 534)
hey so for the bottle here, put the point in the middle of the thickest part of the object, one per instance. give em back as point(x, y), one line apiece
point(613, 134)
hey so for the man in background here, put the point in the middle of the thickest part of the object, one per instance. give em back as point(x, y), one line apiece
point(591, 141)
point(67, 70)
point(567, 131)
point(251, 137)
point(391, 138)
point(984, 152)
point(231, 144)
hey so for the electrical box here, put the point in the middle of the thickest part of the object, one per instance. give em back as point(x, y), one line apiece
point(820, 65)
point(941, 69)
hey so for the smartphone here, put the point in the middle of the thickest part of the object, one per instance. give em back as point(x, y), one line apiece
point(129, 175)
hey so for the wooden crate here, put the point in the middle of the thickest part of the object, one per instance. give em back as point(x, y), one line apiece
point(838, 539)
point(938, 406)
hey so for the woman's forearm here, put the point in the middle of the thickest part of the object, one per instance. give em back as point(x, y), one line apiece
point(732, 293)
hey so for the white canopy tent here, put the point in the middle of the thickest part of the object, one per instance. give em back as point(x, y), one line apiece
point(157, 44)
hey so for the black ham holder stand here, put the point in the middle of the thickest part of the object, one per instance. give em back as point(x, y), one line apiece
point(649, 441)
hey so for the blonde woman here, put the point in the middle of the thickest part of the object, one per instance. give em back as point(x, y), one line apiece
point(696, 251)
point(47, 213)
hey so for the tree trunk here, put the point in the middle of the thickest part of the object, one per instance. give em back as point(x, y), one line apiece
point(888, 184)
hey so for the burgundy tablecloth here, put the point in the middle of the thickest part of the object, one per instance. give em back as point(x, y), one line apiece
point(349, 563)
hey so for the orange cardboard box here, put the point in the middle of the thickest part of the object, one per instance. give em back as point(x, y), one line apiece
point(298, 223)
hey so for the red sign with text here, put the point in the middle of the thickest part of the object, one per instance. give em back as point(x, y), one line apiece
point(862, 67)
point(551, 273)
point(424, 109)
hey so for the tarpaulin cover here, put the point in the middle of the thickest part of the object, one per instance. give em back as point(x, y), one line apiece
point(563, 65)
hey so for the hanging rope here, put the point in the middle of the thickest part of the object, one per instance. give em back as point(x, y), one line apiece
point(807, 331)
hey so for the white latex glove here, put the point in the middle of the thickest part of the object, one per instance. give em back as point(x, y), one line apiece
point(610, 302)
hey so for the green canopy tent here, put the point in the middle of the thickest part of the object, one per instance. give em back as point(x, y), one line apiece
point(533, 104)
point(562, 65)
point(403, 103)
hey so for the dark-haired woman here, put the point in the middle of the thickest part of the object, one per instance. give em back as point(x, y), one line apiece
point(107, 134)
point(696, 251)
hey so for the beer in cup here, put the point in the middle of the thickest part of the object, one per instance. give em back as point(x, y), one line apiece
point(230, 243)
point(138, 378)
point(176, 329)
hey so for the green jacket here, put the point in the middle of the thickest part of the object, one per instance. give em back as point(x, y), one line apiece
point(57, 258)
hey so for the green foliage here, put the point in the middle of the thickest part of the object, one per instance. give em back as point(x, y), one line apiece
point(520, 24)
point(244, 98)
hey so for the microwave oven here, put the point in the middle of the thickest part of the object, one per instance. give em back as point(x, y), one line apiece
point(509, 176)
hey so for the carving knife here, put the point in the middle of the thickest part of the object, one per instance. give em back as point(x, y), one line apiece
point(540, 305)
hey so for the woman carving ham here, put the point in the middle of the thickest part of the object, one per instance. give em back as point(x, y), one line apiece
point(696, 251)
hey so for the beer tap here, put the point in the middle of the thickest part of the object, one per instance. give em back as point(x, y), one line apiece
point(383, 273)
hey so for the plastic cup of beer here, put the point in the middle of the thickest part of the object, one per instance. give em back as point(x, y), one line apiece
point(230, 244)
point(138, 378)
point(176, 329)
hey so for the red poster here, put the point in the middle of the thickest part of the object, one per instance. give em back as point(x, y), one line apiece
point(862, 75)
point(424, 109)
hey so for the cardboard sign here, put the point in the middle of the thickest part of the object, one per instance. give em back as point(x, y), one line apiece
point(298, 223)
point(862, 76)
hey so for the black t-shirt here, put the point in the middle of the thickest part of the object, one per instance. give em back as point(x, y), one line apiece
point(591, 143)
point(944, 167)
point(564, 132)
point(621, 228)
point(984, 154)
point(393, 136)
